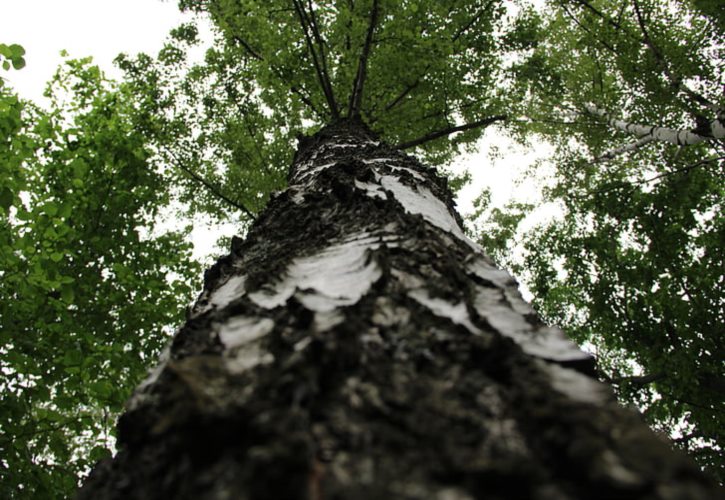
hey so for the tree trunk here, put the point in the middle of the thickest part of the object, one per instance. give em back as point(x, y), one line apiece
point(357, 345)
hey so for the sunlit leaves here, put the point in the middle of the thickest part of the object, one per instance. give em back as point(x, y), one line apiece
point(86, 292)
point(635, 268)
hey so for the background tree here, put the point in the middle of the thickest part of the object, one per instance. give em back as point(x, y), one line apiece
point(634, 268)
point(90, 280)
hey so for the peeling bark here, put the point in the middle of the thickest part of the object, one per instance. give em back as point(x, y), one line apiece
point(357, 345)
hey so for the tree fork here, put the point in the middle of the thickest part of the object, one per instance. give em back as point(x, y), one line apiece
point(358, 345)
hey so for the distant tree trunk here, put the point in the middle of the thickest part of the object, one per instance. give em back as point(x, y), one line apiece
point(357, 345)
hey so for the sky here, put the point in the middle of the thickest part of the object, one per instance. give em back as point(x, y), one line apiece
point(104, 28)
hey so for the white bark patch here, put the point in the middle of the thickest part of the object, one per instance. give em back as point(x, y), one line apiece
point(422, 202)
point(457, 313)
point(718, 129)
point(247, 357)
point(326, 320)
point(618, 471)
point(394, 168)
point(222, 296)
point(309, 169)
point(339, 275)
point(373, 190)
point(543, 342)
point(484, 269)
point(575, 385)
point(139, 396)
point(244, 329)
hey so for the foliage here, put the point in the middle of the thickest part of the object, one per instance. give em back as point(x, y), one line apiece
point(89, 281)
point(89, 277)
point(634, 268)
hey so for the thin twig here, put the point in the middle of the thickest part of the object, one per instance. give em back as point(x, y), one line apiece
point(209, 186)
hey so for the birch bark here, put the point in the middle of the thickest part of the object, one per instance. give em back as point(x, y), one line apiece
point(358, 345)
point(715, 129)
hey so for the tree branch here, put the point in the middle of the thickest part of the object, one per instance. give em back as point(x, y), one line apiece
point(598, 13)
point(632, 146)
point(256, 55)
point(587, 30)
point(409, 88)
point(208, 185)
point(247, 47)
point(632, 185)
point(357, 90)
point(639, 380)
point(473, 21)
point(299, 9)
point(714, 129)
point(450, 130)
point(675, 81)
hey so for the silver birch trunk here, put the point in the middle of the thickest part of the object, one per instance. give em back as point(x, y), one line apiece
point(357, 345)
point(715, 129)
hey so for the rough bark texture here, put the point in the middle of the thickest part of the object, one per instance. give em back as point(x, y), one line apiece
point(356, 345)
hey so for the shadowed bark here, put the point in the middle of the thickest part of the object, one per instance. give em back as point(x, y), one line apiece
point(357, 345)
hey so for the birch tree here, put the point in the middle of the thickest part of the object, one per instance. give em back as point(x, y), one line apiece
point(356, 343)
point(630, 94)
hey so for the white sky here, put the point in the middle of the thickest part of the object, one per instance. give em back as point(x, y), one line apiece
point(105, 28)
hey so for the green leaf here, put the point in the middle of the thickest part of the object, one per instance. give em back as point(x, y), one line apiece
point(67, 294)
point(6, 198)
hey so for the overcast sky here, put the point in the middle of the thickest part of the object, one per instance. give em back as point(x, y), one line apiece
point(99, 28)
point(105, 28)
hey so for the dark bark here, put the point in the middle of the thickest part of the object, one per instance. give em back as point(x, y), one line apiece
point(356, 345)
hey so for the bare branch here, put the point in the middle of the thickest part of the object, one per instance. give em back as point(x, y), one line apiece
point(450, 130)
point(312, 21)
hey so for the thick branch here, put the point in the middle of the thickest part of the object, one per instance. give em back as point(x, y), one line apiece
point(318, 69)
point(357, 91)
point(632, 146)
point(450, 130)
point(715, 130)
point(312, 20)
